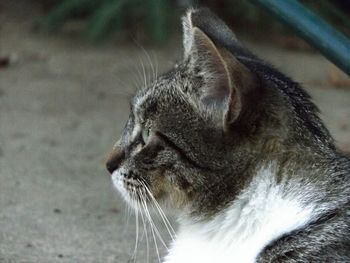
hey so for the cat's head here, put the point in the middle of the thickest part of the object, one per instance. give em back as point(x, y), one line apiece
point(191, 133)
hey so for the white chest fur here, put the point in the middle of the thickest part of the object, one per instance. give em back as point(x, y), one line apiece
point(262, 213)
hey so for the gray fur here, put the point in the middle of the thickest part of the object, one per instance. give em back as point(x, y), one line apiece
point(198, 165)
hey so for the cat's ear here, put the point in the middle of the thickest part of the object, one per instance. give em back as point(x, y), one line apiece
point(225, 79)
point(209, 23)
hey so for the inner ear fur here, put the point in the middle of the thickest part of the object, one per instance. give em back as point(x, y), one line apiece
point(243, 84)
point(229, 80)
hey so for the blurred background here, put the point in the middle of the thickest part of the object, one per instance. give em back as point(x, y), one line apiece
point(67, 71)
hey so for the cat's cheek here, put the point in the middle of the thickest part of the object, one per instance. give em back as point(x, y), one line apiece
point(179, 199)
point(178, 196)
point(157, 183)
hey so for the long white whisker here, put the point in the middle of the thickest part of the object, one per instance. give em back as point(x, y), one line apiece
point(164, 217)
point(144, 227)
point(131, 66)
point(156, 65)
point(144, 75)
point(150, 62)
point(148, 58)
point(137, 224)
point(166, 221)
point(154, 226)
point(140, 74)
point(128, 213)
point(139, 78)
point(152, 229)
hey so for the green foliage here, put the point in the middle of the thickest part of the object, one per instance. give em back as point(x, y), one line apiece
point(63, 11)
point(106, 16)
point(158, 19)
point(102, 17)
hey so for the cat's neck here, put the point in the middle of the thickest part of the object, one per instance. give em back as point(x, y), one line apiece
point(262, 212)
point(269, 185)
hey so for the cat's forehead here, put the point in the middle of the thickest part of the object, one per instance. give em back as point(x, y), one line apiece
point(161, 91)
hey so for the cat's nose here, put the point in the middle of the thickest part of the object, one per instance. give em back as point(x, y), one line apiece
point(115, 159)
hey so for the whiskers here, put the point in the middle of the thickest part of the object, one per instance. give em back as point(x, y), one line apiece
point(149, 76)
point(142, 201)
point(136, 70)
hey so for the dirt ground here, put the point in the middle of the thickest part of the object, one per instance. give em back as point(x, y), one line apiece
point(63, 103)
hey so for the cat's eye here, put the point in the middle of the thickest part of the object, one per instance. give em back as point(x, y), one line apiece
point(145, 135)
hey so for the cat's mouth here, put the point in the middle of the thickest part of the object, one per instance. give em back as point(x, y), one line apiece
point(134, 190)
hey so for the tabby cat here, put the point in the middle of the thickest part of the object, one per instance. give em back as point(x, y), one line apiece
point(238, 151)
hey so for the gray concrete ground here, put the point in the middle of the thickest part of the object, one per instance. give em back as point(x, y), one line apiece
point(62, 106)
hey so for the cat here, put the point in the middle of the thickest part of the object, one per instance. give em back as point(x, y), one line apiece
point(238, 151)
